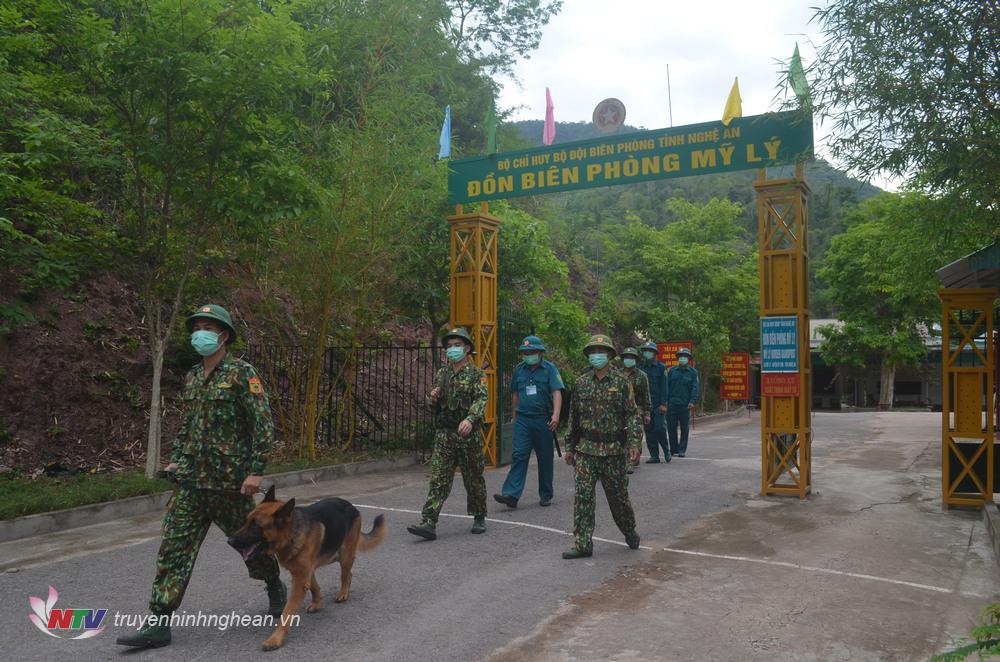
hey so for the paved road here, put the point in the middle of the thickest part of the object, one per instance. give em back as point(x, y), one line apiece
point(461, 597)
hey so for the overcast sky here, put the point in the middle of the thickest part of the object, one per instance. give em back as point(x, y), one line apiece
point(595, 49)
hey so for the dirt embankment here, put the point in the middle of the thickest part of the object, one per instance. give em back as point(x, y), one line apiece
point(75, 384)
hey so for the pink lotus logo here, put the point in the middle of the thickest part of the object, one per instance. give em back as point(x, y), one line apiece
point(50, 620)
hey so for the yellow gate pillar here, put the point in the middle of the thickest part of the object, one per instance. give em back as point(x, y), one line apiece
point(967, 388)
point(474, 301)
point(786, 420)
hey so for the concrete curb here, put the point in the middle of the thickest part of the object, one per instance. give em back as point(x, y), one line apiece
point(98, 513)
point(991, 518)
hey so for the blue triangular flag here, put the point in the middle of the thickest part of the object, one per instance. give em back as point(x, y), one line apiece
point(446, 135)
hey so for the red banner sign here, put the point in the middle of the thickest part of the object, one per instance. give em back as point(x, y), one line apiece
point(668, 352)
point(735, 376)
point(779, 384)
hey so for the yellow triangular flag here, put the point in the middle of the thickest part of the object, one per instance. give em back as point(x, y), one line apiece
point(734, 105)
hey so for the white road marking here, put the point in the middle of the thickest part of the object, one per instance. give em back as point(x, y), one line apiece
point(826, 571)
point(503, 521)
point(725, 557)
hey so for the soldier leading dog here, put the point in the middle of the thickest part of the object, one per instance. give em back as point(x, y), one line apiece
point(304, 539)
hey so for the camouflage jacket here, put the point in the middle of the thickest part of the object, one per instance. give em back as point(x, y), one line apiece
point(227, 431)
point(603, 418)
point(463, 396)
point(640, 387)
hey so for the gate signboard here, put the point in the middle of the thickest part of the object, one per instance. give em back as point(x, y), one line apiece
point(757, 141)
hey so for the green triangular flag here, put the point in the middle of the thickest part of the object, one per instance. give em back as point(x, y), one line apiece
point(491, 129)
point(797, 80)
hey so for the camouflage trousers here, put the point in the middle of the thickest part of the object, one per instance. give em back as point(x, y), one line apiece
point(449, 453)
point(610, 470)
point(190, 513)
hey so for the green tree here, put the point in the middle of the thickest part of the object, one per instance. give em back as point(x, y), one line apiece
point(881, 281)
point(192, 92)
point(911, 90)
point(694, 279)
point(57, 170)
point(494, 34)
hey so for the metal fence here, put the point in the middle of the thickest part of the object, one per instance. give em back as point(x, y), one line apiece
point(372, 396)
point(514, 325)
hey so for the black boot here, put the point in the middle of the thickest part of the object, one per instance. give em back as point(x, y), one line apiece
point(148, 636)
point(276, 596)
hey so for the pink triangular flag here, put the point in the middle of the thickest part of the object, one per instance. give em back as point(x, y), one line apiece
point(549, 131)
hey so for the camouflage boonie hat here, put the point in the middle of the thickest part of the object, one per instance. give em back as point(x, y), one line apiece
point(213, 312)
point(630, 351)
point(651, 346)
point(599, 340)
point(459, 332)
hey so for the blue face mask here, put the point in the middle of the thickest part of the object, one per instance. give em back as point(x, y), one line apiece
point(455, 354)
point(598, 359)
point(205, 343)
point(532, 359)
point(629, 363)
point(683, 360)
point(649, 355)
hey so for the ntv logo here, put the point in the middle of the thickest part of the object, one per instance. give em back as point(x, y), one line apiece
point(46, 618)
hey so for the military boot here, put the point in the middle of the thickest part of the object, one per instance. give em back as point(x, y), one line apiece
point(277, 595)
point(148, 636)
point(479, 525)
point(576, 553)
point(425, 530)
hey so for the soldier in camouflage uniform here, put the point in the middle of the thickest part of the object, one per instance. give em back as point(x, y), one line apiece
point(604, 426)
point(640, 388)
point(218, 461)
point(459, 397)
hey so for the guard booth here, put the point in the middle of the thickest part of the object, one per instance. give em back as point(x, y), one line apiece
point(970, 408)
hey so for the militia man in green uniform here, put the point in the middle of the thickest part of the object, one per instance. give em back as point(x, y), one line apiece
point(218, 461)
point(459, 397)
point(640, 388)
point(604, 427)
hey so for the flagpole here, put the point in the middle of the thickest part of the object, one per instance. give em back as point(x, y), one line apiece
point(670, 104)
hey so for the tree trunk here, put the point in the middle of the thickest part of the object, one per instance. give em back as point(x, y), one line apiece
point(886, 386)
point(153, 441)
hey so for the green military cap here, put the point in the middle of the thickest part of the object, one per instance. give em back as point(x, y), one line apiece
point(459, 332)
point(213, 312)
point(599, 340)
point(630, 351)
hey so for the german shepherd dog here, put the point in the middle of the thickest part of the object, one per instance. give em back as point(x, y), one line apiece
point(304, 539)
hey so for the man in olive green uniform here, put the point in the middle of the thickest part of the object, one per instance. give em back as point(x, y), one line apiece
point(218, 461)
point(459, 397)
point(604, 426)
point(640, 388)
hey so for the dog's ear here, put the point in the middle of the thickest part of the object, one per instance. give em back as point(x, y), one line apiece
point(269, 496)
point(285, 510)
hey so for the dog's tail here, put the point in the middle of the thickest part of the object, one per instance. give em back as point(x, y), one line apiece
point(373, 538)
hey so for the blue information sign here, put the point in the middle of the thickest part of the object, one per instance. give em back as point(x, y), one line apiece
point(779, 344)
